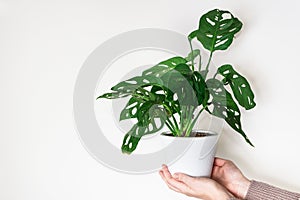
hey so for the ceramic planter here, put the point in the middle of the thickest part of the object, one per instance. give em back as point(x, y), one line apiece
point(197, 159)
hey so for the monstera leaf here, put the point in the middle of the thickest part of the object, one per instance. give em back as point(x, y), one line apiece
point(200, 88)
point(225, 107)
point(166, 96)
point(130, 140)
point(216, 30)
point(192, 55)
point(149, 77)
point(128, 87)
point(180, 81)
point(141, 110)
point(239, 85)
point(163, 67)
point(150, 117)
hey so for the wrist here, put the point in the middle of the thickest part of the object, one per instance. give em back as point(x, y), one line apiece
point(221, 193)
point(225, 196)
point(243, 188)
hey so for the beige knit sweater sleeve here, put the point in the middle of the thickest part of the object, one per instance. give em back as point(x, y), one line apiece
point(263, 191)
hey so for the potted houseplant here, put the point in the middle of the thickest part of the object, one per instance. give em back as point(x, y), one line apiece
point(176, 91)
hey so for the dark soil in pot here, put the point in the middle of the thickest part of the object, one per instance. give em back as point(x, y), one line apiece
point(193, 134)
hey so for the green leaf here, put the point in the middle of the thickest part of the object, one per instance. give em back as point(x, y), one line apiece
point(141, 110)
point(166, 96)
point(151, 120)
point(171, 104)
point(130, 110)
point(225, 107)
point(150, 116)
point(113, 95)
point(128, 87)
point(150, 76)
point(200, 88)
point(217, 29)
point(192, 55)
point(239, 85)
point(130, 141)
point(183, 69)
point(179, 80)
point(163, 67)
point(192, 35)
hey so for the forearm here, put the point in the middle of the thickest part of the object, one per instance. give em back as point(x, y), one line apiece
point(263, 191)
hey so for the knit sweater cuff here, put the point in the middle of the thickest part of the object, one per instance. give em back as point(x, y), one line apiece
point(263, 191)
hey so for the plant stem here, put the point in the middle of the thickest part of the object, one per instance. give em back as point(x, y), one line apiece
point(200, 64)
point(186, 119)
point(171, 127)
point(176, 124)
point(184, 123)
point(208, 63)
point(192, 51)
point(194, 121)
point(182, 115)
point(215, 75)
point(189, 121)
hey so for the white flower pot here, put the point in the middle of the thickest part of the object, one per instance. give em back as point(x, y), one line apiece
point(198, 156)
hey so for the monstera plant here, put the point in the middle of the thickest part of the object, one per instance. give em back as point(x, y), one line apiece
point(176, 91)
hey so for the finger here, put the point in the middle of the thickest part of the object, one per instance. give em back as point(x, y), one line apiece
point(173, 188)
point(162, 176)
point(177, 184)
point(166, 171)
point(183, 178)
point(165, 175)
point(215, 172)
point(170, 186)
point(219, 161)
point(168, 181)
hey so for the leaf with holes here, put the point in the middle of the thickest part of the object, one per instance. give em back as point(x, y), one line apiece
point(180, 82)
point(217, 29)
point(130, 110)
point(130, 141)
point(137, 108)
point(163, 67)
point(225, 107)
point(126, 88)
point(239, 85)
point(151, 119)
point(200, 88)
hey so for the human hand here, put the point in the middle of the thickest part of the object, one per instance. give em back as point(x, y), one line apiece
point(203, 188)
point(228, 174)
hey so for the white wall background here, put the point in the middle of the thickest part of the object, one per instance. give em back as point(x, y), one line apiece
point(43, 45)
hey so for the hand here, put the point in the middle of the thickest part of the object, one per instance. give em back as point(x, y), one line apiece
point(204, 188)
point(227, 174)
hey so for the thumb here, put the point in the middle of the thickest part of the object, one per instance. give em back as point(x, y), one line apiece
point(183, 178)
